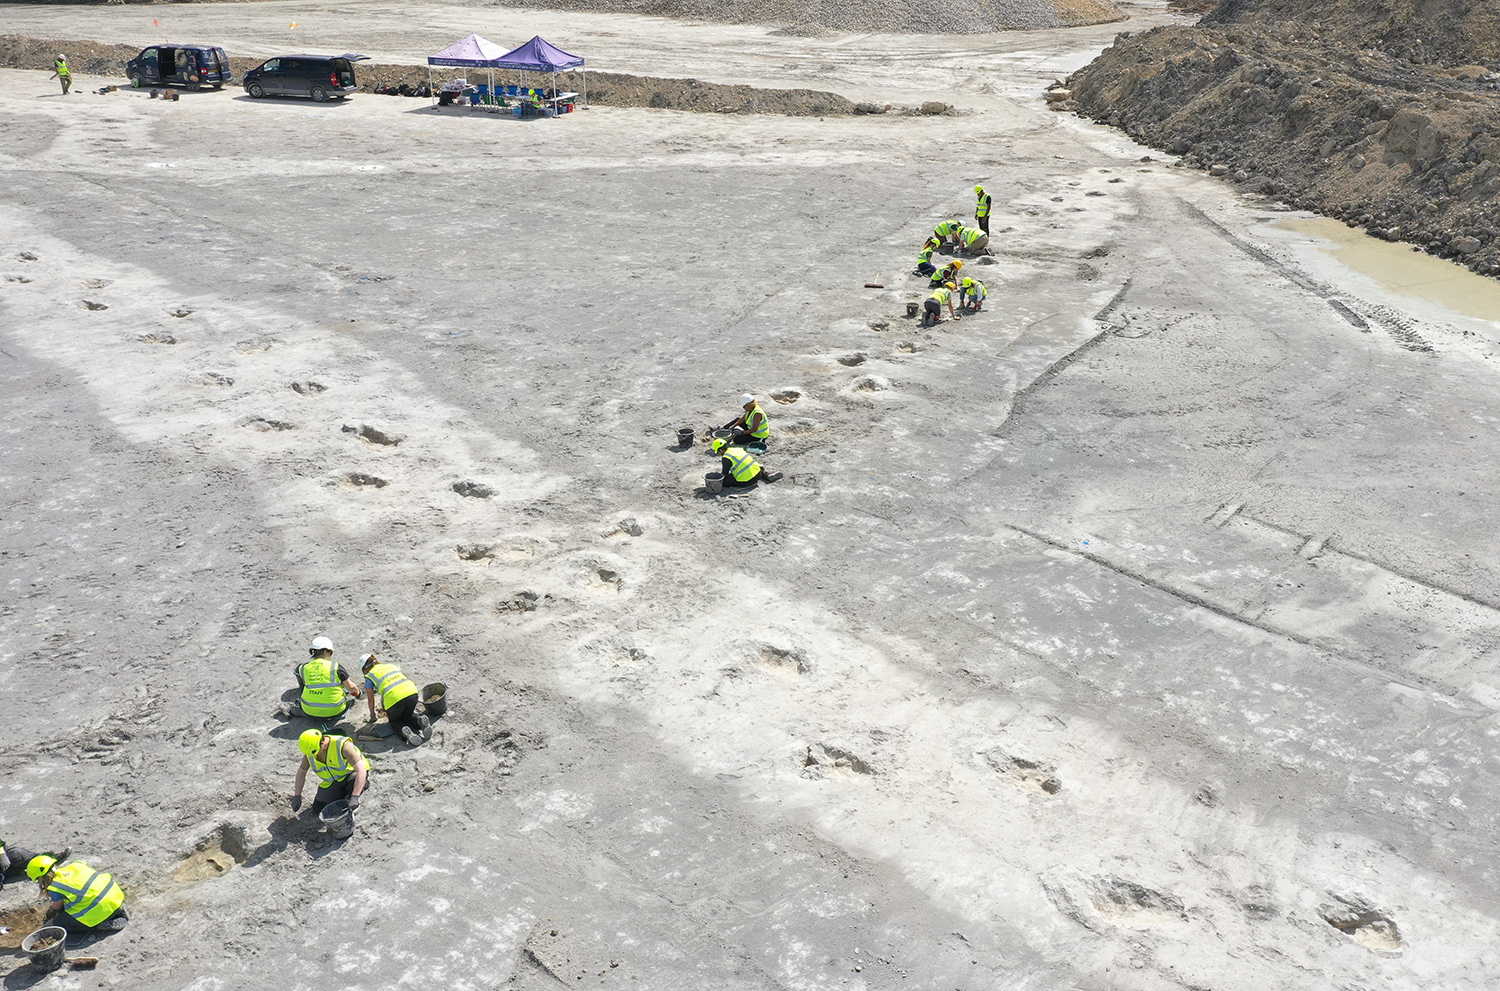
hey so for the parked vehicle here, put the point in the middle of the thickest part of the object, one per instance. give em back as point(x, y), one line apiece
point(316, 76)
point(193, 66)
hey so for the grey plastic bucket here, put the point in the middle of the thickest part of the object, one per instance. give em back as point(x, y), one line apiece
point(911, 309)
point(685, 436)
point(50, 957)
point(723, 434)
point(435, 699)
point(714, 481)
point(338, 818)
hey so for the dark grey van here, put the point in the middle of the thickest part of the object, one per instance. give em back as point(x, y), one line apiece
point(316, 76)
point(193, 66)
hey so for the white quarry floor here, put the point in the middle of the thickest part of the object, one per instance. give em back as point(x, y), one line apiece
point(1139, 632)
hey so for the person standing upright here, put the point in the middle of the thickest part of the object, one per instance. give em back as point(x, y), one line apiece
point(61, 74)
point(982, 209)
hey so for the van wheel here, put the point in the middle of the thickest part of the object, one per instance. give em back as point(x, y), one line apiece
point(319, 94)
point(218, 85)
point(135, 80)
point(194, 87)
point(254, 91)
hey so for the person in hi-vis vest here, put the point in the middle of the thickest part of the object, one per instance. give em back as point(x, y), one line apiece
point(398, 696)
point(323, 682)
point(89, 900)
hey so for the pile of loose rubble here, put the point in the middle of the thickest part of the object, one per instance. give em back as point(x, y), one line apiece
point(1325, 110)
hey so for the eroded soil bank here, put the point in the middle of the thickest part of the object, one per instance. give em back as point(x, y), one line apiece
point(1305, 110)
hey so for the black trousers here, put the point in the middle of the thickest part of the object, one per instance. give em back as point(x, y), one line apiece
point(984, 224)
point(72, 925)
point(731, 483)
point(336, 792)
point(404, 713)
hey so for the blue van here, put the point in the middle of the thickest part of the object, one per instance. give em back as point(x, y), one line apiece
point(193, 66)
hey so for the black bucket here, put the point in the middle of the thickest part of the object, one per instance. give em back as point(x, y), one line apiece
point(339, 819)
point(49, 957)
point(911, 309)
point(685, 436)
point(714, 481)
point(435, 699)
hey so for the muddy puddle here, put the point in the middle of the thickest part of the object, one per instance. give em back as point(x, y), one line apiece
point(1401, 270)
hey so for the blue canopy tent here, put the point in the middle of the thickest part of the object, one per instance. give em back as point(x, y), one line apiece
point(471, 51)
point(539, 55)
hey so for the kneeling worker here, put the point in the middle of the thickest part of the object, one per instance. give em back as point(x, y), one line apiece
point(398, 696)
point(971, 294)
point(740, 470)
point(947, 231)
point(932, 306)
point(752, 427)
point(323, 682)
point(339, 765)
point(91, 901)
point(924, 258)
point(973, 240)
point(948, 273)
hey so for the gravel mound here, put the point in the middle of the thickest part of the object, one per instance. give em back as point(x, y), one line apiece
point(609, 89)
point(882, 16)
point(1443, 32)
point(1408, 151)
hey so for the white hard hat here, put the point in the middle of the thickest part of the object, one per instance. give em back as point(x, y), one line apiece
point(320, 643)
point(746, 398)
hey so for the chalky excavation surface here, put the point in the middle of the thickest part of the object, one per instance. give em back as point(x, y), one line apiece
point(1135, 633)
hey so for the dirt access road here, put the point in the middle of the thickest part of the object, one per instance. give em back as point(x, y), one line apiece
point(1137, 633)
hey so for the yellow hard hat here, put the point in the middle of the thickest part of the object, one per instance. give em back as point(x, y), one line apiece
point(978, 189)
point(949, 285)
point(957, 266)
point(40, 865)
point(718, 445)
point(309, 741)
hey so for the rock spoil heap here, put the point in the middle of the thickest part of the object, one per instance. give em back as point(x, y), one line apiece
point(882, 16)
point(1340, 108)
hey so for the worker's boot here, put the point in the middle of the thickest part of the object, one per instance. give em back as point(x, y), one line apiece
point(410, 736)
point(426, 725)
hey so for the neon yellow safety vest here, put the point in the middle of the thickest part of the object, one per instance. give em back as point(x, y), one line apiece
point(974, 289)
point(392, 685)
point(88, 895)
point(971, 234)
point(61, 68)
point(945, 228)
point(941, 295)
point(925, 255)
point(335, 768)
point(945, 274)
point(322, 695)
point(759, 426)
point(741, 465)
point(983, 209)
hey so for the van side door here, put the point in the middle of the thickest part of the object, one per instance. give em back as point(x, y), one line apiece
point(270, 76)
point(150, 68)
